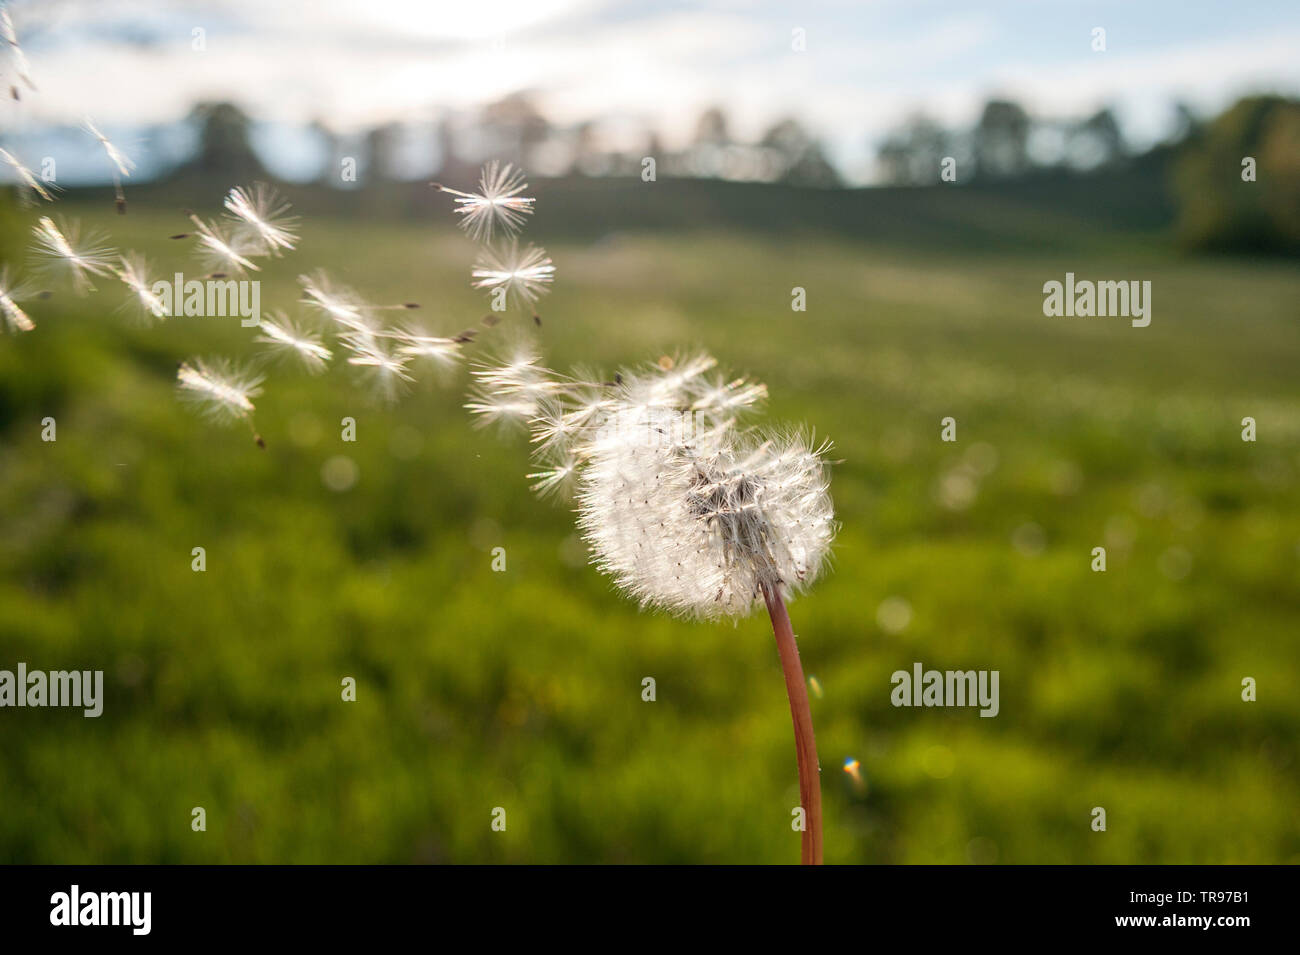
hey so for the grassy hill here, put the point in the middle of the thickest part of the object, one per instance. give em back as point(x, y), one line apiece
point(522, 689)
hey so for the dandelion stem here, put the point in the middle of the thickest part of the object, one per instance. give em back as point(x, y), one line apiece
point(810, 790)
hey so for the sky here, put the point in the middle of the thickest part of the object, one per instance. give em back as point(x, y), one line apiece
point(864, 66)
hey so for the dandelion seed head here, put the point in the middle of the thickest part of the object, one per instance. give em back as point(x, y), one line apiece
point(62, 248)
point(219, 388)
point(703, 526)
point(685, 510)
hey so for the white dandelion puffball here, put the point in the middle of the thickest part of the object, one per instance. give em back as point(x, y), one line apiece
point(702, 526)
point(686, 511)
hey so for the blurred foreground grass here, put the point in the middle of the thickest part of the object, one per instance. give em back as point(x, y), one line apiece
point(522, 689)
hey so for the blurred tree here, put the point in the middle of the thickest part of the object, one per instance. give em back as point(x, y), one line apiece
point(587, 156)
point(711, 128)
point(912, 155)
point(1223, 202)
point(1186, 123)
point(800, 158)
point(381, 151)
point(1094, 142)
point(706, 155)
point(331, 146)
point(1000, 139)
point(224, 147)
point(515, 128)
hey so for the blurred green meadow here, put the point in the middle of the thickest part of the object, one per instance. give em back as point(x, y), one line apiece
point(522, 689)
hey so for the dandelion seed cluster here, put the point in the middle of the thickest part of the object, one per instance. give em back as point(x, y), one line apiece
point(686, 510)
point(521, 274)
point(258, 224)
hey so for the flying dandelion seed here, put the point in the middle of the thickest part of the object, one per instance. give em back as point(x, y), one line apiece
point(10, 36)
point(416, 343)
point(27, 182)
point(686, 511)
point(497, 205)
point(493, 409)
point(342, 305)
point(221, 252)
point(384, 372)
point(65, 250)
point(556, 480)
point(282, 335)
point(337, 303)
point(12, 292)
point(121, 162)
point(815, 685)
point(524, 274)
point(520, 391)
point(133, 270)
point(220, 390)
point(263, 216)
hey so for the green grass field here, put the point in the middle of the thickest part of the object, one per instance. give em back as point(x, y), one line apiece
point(522, 689)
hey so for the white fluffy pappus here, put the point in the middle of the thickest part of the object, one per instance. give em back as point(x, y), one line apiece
point(497, 205)
point(285, 337)
point(63, 248)
point(13, 291)
point(133, 271)
point(263, 216)
point(218, 388)
point(683, 509)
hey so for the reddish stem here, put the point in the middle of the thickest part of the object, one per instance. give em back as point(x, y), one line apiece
point(805, 746)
